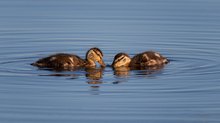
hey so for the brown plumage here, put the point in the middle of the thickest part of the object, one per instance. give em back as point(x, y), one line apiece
point(148, 59)
point(145, 59)
point(67, 61)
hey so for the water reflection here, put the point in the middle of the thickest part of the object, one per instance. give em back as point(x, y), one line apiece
point(94, 76)
point(145, 71)
point(124, 72)
point(61, 69)
point(63, 73)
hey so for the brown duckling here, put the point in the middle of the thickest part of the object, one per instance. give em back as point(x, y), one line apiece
point(145, 59)
point(66, 61)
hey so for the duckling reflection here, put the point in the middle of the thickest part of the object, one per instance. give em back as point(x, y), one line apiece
point(94, 75)
point(72, 73)
point(73, 76)
point(122, 71)
point(147, 71)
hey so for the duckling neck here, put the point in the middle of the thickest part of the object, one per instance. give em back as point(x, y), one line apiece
point(90, 63)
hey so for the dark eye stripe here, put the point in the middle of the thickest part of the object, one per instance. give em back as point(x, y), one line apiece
point(120, 59)
point(97, 53)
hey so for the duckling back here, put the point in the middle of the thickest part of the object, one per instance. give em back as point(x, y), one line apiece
point(148, 58)
point(60, 61)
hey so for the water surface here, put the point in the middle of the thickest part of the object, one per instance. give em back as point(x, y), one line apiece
point(184, 91)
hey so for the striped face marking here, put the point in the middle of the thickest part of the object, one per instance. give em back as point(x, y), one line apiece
point(95, 55)
point(119, 58)
point(98, 53)
point(121, 61)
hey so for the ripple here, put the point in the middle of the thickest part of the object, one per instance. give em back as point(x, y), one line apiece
point(185, 62)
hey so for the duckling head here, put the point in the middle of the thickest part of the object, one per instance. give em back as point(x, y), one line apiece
point(95, 55)
point(121, 60)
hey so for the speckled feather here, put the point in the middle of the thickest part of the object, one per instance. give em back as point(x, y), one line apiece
point(60, 60)
point(148, 58)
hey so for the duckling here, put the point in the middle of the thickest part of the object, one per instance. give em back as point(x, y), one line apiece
point(145, 59)
point(66, 61)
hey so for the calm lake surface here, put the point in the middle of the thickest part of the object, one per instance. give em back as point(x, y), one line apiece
point(186, 90)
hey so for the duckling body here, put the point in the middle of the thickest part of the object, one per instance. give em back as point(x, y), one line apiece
point(145, 59)
point(148, 59)
point(66, 61)
point(60, 60)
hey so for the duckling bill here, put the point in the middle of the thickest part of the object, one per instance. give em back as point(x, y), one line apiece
point(64, 61)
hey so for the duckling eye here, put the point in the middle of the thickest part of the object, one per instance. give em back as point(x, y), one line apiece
point(91, 55)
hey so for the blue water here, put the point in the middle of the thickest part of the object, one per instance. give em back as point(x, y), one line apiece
point(184, 91)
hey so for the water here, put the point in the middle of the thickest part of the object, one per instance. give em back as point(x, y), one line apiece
point(184, 91)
